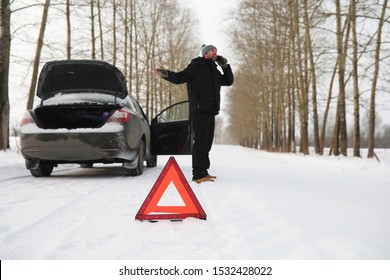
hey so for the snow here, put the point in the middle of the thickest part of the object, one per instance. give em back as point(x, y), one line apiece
point(69, 98)
point(108, 127)
point(262, 206)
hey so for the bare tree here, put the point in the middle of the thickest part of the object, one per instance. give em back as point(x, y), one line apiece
point(37, 58)
point(371, 133)
point(68, 32)
point(126, 39)
point(355, 74)
point(99, 8)
point(93, 37)
point(341, 56)
point(313, 79)
point(301, 78)
point(5, 44)
point(159, 40)
point(114, 46)
point(327, 107)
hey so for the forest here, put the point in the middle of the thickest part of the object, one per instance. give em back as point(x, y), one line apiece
point(312, 73)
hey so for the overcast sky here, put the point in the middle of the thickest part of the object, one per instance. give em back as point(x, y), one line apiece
point(214, 21)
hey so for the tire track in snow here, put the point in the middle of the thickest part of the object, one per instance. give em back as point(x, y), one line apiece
point(80, 200)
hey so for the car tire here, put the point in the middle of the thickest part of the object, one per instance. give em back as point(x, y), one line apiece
point(152, 162)
point(44, 169)
point(140, 164)
point(86, 165)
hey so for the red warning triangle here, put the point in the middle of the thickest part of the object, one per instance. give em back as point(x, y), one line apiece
point(150, 210)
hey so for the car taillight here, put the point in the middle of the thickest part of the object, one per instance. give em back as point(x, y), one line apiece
point(26, 119)
point(121, 116)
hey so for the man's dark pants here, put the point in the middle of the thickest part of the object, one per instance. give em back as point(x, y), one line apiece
point(203, 126)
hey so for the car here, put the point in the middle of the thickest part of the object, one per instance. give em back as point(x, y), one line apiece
point(86, 116)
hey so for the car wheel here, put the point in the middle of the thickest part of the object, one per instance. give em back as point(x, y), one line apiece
point(152, 162)
point(86, 165)
point(140, 164)
point(44, 169)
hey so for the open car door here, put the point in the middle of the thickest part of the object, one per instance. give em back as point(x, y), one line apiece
point(171, 131)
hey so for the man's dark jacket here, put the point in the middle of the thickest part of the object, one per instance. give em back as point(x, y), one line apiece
point(204, 83)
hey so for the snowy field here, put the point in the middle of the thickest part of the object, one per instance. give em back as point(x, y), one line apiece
point(262, 206)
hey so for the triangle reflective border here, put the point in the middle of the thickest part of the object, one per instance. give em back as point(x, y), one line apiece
point(150, 210)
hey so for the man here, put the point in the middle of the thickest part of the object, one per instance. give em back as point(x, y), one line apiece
point(204, 83)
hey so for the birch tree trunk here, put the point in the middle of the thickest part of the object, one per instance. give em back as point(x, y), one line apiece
point(93, 37)
point(313, 81)
point(341, 99)
point(303, 91)
point(37, 59)
point(326, 112)
point(114, 32)
point(356, 112)
point(100, 30)
point(126, 35)
point(371, 132)
point(68, 32)
point(5, 45)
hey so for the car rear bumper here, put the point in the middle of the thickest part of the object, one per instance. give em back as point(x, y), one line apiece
point(77, 146)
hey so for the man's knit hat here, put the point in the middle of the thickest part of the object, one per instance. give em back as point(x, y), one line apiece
point(206, 48)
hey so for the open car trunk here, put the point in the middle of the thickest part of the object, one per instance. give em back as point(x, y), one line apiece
point(73, 116)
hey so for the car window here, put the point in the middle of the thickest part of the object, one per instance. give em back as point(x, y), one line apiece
point(177, 112)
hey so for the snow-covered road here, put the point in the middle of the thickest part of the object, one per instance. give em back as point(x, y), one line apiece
point(262, 206)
